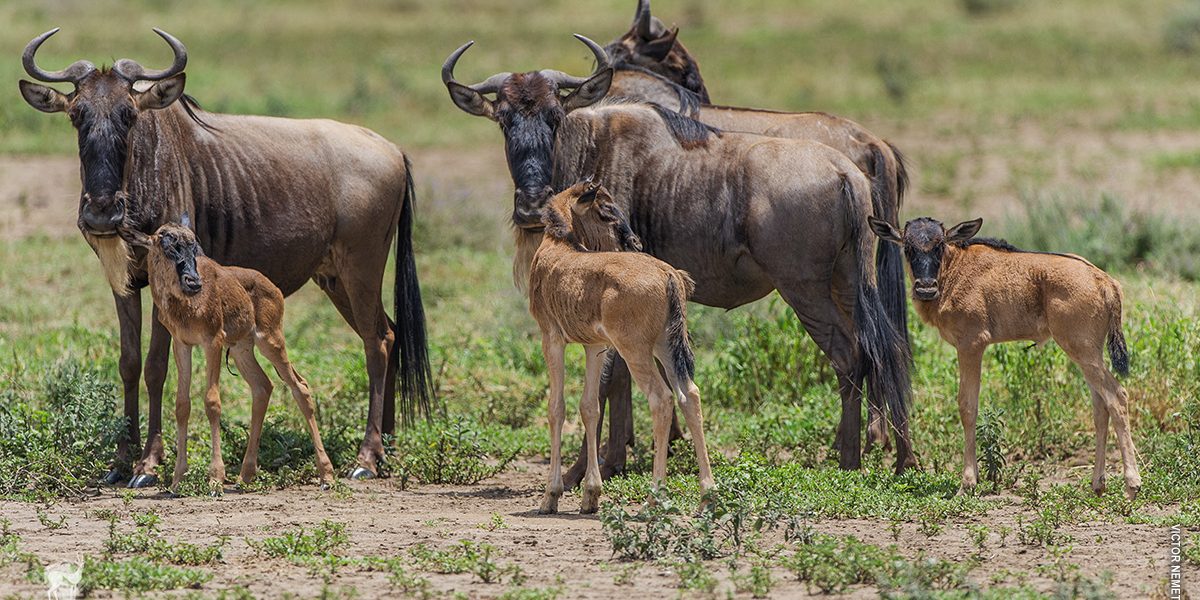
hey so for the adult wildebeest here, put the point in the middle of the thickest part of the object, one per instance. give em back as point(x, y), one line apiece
point(294, 199)
point(744, 214)
point(651, 65)
point(981, 291)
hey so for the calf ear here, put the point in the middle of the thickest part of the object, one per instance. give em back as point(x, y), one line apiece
point(884, 230)
point(471, 101)
point(45, 99)
point(162, 94)
point(592, 91)
point(964, 231)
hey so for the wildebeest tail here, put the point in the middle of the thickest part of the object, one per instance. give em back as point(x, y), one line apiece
point(887, 185)
point(679, 288)
point(1117, 350)
point(416, 379)
point(883, 354)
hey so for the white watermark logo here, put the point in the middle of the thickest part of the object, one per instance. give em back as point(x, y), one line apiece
point(1175, 563)
point(63, 581)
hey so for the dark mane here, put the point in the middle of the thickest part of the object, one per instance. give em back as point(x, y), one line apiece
point(995, 243)
point(689, 132)
point(190, 106)
point(689, 101)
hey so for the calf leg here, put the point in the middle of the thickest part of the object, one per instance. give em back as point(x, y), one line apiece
point(617, 390)
point(272, 347)
point(645, 373)
point(1117, 402)
point(688, 396)
point(260, 393)
point(970, 361)
point(212, 408)
point(589, 412)
point(183, 409)
point(553, 350)
point(1100, 419)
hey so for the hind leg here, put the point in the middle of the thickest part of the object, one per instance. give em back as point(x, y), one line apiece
point(1100, 419)
point(1116, 400)
point(260, 394)
point(688, 396)
point(356, 294)
point(645, 373)
point(274, 349)
point(183, 409)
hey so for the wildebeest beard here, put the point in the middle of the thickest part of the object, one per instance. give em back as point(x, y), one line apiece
point(529, 149)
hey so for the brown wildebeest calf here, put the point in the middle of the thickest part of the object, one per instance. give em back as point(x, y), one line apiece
point(979, 292)
point(205, 304)
point(628, 301)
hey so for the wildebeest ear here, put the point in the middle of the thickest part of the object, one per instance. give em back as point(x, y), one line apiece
point(162, 94)
point(471, 101)
point(134, 237)
point(884, 230)
point(964, 231)
point(45, 99)
point(658, 49)
point(592, 91)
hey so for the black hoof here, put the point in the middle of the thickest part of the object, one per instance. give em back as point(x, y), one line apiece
point(325, 486)
point(113, 477)
point(362, 473)
point(144, 480)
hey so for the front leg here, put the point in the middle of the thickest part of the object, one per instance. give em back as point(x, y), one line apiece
point(589, 412)
point(212, 408)
point(553, 349)
point(970, 361)
point(183, 409)
point(129, 318)
point(144, 473)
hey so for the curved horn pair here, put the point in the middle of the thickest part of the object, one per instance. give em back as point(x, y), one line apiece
point(126, 68)
point(492, 84)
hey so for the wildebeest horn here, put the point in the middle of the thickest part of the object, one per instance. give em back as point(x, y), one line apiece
point(569, 81)
point(489, 86)
point(74, 73)
point(130, 70)
point(641, 21)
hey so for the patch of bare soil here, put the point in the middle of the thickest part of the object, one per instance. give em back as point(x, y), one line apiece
point(567, 550)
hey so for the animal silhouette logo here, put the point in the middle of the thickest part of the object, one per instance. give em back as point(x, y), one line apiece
point(63, 581)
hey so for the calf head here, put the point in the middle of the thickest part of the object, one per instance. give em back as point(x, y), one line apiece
point(598, 221)
point(924, 241)
point(529, 107)
point(175, 243)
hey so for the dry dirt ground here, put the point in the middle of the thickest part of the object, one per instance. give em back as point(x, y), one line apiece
point(568, 550)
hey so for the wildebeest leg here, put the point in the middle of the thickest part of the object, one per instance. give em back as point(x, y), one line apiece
point(260, 394)
point(389, 382)
point(589, 413)
point(144, 473)
point(970, 360)
point(272, 346)
point(183, 409)
point(617, 390)
point(645, 373)
point(353, 303)
point(553, 350)
point(212, 408)
point(129, 317)
point(688, 396)
point(1100, 419)
point(876, 426)
point(1117, 401)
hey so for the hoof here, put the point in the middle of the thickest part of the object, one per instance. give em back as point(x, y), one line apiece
point(362, 473)
point(1131, 492)
point(325, 486)
point(113, 477)
point(144, 480)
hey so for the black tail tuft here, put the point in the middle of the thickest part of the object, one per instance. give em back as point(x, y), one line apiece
point(684, 362)
point(887, 184)
point(883, 353)
point(416, 378)
point(1117, 350)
